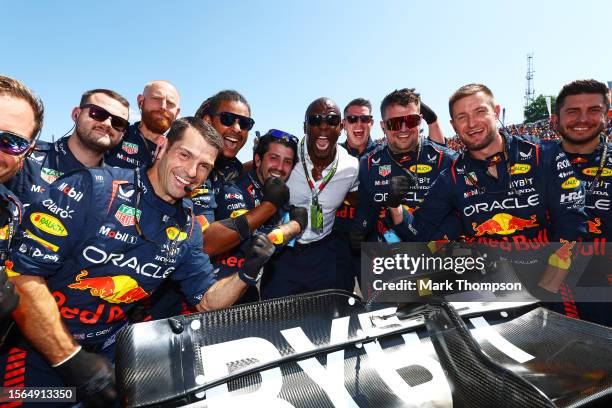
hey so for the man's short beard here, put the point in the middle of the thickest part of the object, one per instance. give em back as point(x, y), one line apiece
point(476, 147)
point(156, 125)
point(87, 141)
point(567, 137)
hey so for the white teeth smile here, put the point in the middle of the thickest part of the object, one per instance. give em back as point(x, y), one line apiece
point(322, 143)
point(181, 180)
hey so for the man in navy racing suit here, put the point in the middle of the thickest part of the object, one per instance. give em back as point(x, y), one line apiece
point(274, 156)
point(159, 107)
point(100, 120)
point(580, 115)
point(79, 274)
point(504, 188)
point(21, 118)
point(401, 172)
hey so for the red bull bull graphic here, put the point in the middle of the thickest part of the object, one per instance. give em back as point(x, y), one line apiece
point(593, 226)
point(504, 224)
point(113, 289)
point(579, 160)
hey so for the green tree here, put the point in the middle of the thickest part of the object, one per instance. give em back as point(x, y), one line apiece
point(536, 110)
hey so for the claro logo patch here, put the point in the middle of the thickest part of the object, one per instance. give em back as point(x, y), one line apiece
point(48, 224)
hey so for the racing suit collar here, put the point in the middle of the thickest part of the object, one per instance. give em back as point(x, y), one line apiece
point(354, 152)
point(180, 208)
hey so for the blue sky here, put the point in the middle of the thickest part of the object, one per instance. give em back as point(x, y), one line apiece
point(283, 54)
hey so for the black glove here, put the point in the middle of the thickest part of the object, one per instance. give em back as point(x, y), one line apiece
point(8, 298)
point(356, 237)
point(260, 250)
point(5, 215)
point(399, 187)
point(429, 115)
point(276, 191)
point(299, 215)
point(93, 377)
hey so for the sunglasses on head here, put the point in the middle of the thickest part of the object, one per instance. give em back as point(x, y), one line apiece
point(100, 115)
point(279, 134)
point(229, 118)
point(317, 120)
point(411, 121)
point(363, 118)
point(13, 144)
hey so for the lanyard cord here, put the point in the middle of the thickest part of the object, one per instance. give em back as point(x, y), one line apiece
point(315, 194)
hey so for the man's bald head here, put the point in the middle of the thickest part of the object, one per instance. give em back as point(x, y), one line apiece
point(324, 103)
point(159, 105)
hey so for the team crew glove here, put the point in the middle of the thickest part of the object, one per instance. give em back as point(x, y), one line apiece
point(299, 215)
point(8, 298)
point(276, 191)
point(93, 377)
point(260, 250)
point(428, 114)
point(399, 187)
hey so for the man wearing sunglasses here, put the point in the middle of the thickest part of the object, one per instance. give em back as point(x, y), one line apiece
point(320, 182)
point(99, 122)
point(78, 277)
point(274, 156)
point(399, 173)
point(230, 114)
point(21, 118)
point(159, 107)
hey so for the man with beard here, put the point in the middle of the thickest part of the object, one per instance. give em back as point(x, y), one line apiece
point(21, 118)
point(100, 120)
point(401, 172)
point(78, 277)
point(580, 115)
point(159, 106)
point(319, 182)
point(274, 156)
point(505, 189)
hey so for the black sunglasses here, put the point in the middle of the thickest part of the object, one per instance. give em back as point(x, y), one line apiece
point(411, 121)
point(13, 144)
point(363, 118)
point(100, 114)
point(317, 120)
point(229, 118)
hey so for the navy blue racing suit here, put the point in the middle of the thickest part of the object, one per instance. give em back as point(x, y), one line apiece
point(517, 210)
point(42, 167)
point(10, 218)
point(234, 199)
point(348, 265)
point(135, 150)
point(597, 205)
point(423, 165)
point(96, 264)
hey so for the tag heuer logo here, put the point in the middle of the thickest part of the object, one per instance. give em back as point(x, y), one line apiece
point(129, 148)
point(125, 215)
point(384, 170)
point(49, 175)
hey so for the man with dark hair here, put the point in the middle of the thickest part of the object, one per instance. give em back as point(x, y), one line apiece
point(100, 120)
point(580, 117)
point(78, 277)
point(159, 106)
point(505, 189)
point(399, 173)
point(21, 118)
point(230, 114)
point(319, 182)
point(274, 156)
point(357, 124)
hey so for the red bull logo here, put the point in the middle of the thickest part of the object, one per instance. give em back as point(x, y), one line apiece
point(579, 160)
point(593, 226)
point(503, 224)
point(113, 289)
